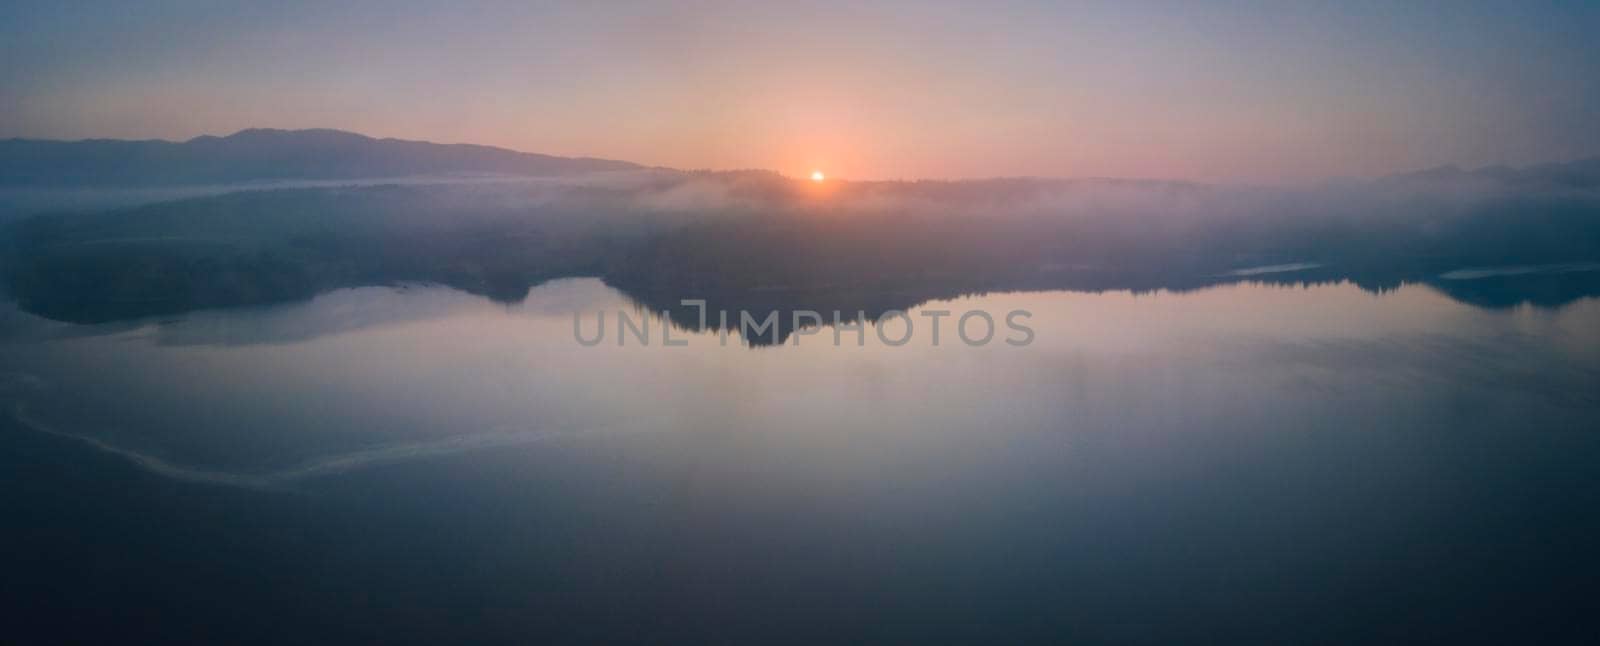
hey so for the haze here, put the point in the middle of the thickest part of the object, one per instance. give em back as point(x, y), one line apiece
point(1233, 92)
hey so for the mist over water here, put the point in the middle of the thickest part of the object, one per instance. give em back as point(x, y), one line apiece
point(1159, 450)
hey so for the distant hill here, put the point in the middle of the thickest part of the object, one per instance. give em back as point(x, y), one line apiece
point(264, 154)
point(1579, 174)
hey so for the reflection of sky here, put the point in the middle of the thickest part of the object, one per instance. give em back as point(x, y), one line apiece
point(270, 388)
point(1216, 90)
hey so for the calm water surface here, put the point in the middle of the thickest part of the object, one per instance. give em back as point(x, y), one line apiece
point(1248, 462)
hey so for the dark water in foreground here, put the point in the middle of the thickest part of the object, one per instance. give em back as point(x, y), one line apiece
point(1239, 464)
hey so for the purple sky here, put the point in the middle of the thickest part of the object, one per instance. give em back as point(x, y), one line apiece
point(1213, 91)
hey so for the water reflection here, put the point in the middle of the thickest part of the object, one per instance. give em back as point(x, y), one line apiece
point(363, 369)
point(1551, 287)
point(1153, 462)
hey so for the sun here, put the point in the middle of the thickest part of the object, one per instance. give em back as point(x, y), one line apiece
point(817, 176)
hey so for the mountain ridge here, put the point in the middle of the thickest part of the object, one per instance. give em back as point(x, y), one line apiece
point(266, 154)
point(329, 153)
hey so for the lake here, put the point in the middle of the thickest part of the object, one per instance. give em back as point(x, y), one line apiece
point(1241, 463)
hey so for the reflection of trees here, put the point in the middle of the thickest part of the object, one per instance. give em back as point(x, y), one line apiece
point(1539, 290)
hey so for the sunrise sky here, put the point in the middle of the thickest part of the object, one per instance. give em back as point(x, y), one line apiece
point(1211, 91)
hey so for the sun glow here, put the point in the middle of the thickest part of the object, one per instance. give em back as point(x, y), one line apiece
point(817, 176)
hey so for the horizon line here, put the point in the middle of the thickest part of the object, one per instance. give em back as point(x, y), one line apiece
point(1445, 167)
